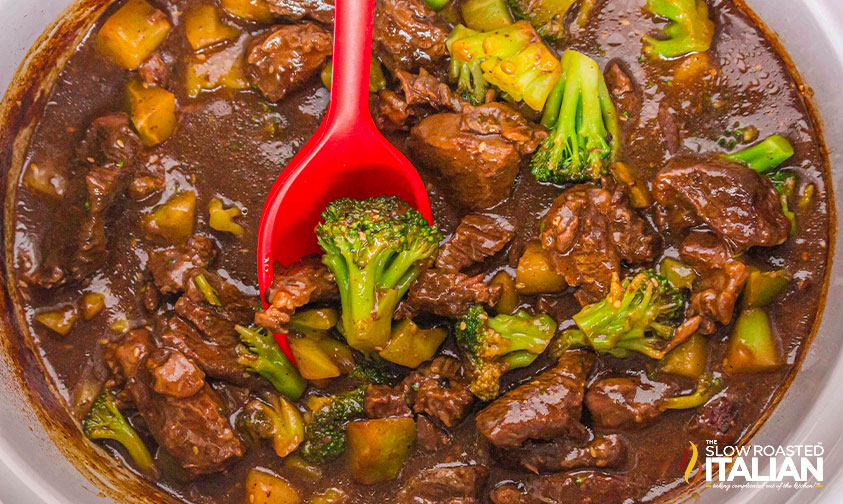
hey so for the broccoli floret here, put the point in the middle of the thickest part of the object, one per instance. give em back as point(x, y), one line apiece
point(512, 58)
point(638, 315)
point(325, 437)
point(494, 345)
point(260, 353)
point(376, 248)
point(690, 29)
point(372, 372)
point(467, 74)
point(105, 421)
point(272, 418)
point(585, 132)
point(548, 16)
point(764, 156)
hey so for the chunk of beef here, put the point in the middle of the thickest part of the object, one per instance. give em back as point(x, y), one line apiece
point(704, 250)
point(547, 407)
point(736, 202)
point(175, 375)
point(668, 128)
point(408, 35)
point(580, 487)
point(157, 70)
point(383, 401)
point(421, 94)
point(447, 294)
point(90, 384)
point(625, 401)
point(170, 266)
point(216, 322)
point(476, 153)
point(430, 437)
point(718, 420)
point(321, 11)
point(566, 454)
point(110, 139)
point(143, 186)
point(218, 359)
point(451, 484)
point(283, 59)
point(439, 390)
point(625, 93)
point(715, 294)
point(477, 237)
point(588, 231)
point(293, 287)
point(193, 429)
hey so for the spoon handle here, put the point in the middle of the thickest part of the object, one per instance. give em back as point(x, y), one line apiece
point(351, 63)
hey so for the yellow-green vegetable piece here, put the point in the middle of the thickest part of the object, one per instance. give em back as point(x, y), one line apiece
point(535, 275)
point(679, 274)
point(204, 27)
point(174, 220)
point(133, 33)
point(751, 347)
point(265, 488)
point(762, 287)
point(508, 302)
point(222, 219)
point(223, 68)
point(377, 449)
point(312, 361)
point(251, 10)
point(410, 346)
point(687, 359)
point(485, 15)
point(153, 112)
point(689, 31)
point(320, 319)
point(92, 304)
point(60, 320)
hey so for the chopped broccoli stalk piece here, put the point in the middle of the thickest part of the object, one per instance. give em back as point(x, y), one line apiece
point(494, 345)
point(105, 421)
point(585, 132)
point(466, 74)
point(208, 292)
point(512, 58)
point(437, 5)
point(638, 315)
point(764, 156)
point(376, 248)
point(548, 16)
point(273, 418)
point(485, 15)
point(260, 353)
point(325, 437)
point(690, 30)
point(706, 388)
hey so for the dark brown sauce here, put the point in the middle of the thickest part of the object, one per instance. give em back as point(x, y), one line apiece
point(232, 145)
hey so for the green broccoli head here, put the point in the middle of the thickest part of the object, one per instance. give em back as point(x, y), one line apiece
point(638, 315)
point(548, 16)
point(494, 345)
point(325, 437)
point(261, 354)
point(467, 74)
point(690, 29)
point(376, 248)
point(585, 132)
point(372, 372)
point(105, 421)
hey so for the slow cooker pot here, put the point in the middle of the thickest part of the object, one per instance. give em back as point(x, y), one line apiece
point(43, 458)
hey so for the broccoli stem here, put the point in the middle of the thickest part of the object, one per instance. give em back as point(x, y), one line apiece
point(265, 358)
point(207, 291)
point(485, 15)
point(105, 421)
point(706, 388)
point(764, 156)
point(690, 29)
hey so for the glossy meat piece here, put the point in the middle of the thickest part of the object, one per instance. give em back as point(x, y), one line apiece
point(447, 294)
point(157, 70)
point(283, 59)
point(440, 390)
point(420, 95)
point(293, 287)
point(429, 436)
point(626, 95)
point(566, 454)
point(704, 250)
point(546, 407)
point(715, 294)
point(718, 420)
point(110, 139)
point(193, 429)
point(170, 266)
point(383, 401)
point(217, 359)
point(588, 231)
point(408, 35)
point(321, 11)
point(476, 152)
point(668, 128)
point(175, 375)
point(452, 485)
point(477, 237)
point(737, 203)
point(625, 401)
point(216, 322)
point(581, 487)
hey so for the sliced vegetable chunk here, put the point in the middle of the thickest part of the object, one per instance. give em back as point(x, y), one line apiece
point(377, 449)
point(133, 33)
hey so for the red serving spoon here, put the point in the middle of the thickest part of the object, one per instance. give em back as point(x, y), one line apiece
point(347, 156)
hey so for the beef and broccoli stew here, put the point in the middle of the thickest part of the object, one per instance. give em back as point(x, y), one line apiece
point(628, 251)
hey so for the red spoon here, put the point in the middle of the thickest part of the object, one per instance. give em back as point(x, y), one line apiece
point(347, 156)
